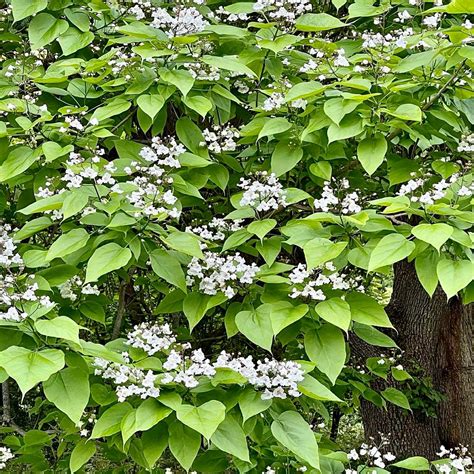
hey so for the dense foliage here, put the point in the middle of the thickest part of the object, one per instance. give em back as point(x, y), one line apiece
point(202, 203)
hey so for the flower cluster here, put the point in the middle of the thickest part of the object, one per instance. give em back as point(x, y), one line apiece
point(437, 191)
point(203, 72)
point(151, 179)
point(217, 273)
point(263, 193)
point(276, 379)
point(334, 197)
point(130, 380)
point(306, 284)
point(8, 254)
point(216, 229)
point(151, 338)
point(466, 144)
point(458, 460)
point(69, 288)
point(181, 21)
point(16, 294)
point(282, 10)
point(220, 139)
point(371, 455)
point(5, 455)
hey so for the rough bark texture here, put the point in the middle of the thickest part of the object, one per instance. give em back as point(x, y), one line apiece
point(438, 335)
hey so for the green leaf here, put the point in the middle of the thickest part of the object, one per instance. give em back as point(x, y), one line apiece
point(184, 443)
point(327, 348)
point(396, 397)
point(32, 227)
point(350, 126)
point(73, 40)
point(229, 63)
point(106, 259)
point(285, 157)
point(204, 419)
point(256, 325)
point(293, 432)
point(318, 251)
point(44, 29)
point(81, 454)
point(196, 305)
point(415, 61)
point(390, 249)
point(251, 403)
point(151, 104)
point(230, 438)
point(454, 275)
point(274, 126)
point(318, 22)
point(261, 228)
point(116, 107)
point(415, 463)
point(336, 109)
point(67, 244)
point(18, 161)
point(184, 242)
point(28, 368)
point(373, 336)
point(314, 389)
point(283, 313)
point(69, 391)
point(435, 234)
point(371, 152)
point(407, 112)
point(179, 78)
point(168, 268)
point(110, 421)
point(200, 104)
point(25, 8)
point(154, 442)
point(147, 415)
point(61, 327)
point(424, 265)
point(366, 310)
point(335, 311)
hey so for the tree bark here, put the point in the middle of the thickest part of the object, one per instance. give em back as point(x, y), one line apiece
point(438, 335)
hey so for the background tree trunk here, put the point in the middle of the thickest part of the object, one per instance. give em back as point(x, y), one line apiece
point(438, 335)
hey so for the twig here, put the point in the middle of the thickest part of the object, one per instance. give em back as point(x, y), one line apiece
point(120, 311)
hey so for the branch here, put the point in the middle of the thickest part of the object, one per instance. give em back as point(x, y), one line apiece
point(120, 310)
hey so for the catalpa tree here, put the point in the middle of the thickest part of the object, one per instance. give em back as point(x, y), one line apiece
point(226, 226)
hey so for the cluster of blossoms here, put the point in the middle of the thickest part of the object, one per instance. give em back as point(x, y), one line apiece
point(390, 41)
point(220, 139)
point(151, 339)
point(88, 420)
point(306, 284)
point(149, 179)
point(69, 288)
point(437, 191)
point(203, 72)
point(322, 62)
point(5, 456)
point(458, 460)
point(371, 455)
point(181, 21)
point(263, 193)
point(216, 229)
point(130, 380)
point(331, 198)
point(217, 273)
point(276, 379)
point(466, 144)
point(282, 10)
point(15, 293)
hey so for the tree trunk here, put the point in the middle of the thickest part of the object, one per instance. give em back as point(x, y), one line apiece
point(438, 335)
